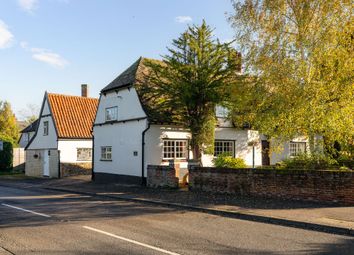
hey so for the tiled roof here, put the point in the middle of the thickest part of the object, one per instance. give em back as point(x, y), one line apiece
point(31, 127)
point(73, 115)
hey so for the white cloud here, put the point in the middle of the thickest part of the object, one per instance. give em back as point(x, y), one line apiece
point(45, 56)
point(49, 57)
point(183, 19)
point(6, 37)
point(28, 5)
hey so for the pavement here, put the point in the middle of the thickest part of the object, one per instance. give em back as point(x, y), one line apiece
point(306, 215)
point(36, 220)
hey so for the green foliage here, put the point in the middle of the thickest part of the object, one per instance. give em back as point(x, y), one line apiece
point(193, 78)
point(225, 160)
point(8, 126)
point(6, 157)
point(298, 59)
point(307, 161)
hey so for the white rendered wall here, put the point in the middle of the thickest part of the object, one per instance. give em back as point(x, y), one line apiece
point(42, 141)
point(281, 150)
point(154, 143)
point(156, 134)
point(125, 139)
point(68, 150)
point(128, 105)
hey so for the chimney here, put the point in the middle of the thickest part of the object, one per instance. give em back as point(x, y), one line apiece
point(84, 90)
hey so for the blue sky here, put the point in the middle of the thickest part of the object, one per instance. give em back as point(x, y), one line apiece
point(56, 45)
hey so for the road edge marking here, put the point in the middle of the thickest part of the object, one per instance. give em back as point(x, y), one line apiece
point(131, 241)
point(25, 210)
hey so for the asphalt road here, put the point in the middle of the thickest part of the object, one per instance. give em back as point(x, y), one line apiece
point(34, 221)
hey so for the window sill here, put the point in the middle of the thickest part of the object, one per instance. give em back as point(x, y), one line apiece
point(106, 160)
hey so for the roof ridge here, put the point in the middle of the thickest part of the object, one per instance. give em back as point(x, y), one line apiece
point(57, 94)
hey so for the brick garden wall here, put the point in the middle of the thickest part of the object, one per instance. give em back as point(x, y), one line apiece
point(72, 169)
point(161, 176)
point(323, 186)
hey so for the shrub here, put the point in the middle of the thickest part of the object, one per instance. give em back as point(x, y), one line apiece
point(308, 162)
point(225, 160)
point(6, 157)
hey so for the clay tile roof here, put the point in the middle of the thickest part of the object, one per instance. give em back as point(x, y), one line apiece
point(73, 115)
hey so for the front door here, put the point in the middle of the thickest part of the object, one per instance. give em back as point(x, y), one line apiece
point(265, 153)
point(46, 163)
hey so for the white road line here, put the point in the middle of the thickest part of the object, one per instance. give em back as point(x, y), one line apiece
point(25, 210)
point(131, 241)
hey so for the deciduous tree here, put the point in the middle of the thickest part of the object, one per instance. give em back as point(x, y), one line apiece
point(298, 59)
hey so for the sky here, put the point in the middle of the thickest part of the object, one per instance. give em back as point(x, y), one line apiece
point(57, 45)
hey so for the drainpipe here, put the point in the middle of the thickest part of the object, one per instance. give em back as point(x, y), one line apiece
point(93, 159)
point(143, 182)
point(59, 170)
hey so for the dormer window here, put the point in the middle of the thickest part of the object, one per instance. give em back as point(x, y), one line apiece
point(45, 128)
point(112, 113)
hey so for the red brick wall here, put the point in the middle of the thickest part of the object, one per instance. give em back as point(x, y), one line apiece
point(324, 186)
point(161, 176)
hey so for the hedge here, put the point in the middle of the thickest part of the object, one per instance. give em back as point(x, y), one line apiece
point(6, 157)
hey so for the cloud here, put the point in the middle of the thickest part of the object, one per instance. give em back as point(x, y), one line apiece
point(6, 37)
point(183, 19)
point(49, 57)
point(28, 5)
point(45, 56)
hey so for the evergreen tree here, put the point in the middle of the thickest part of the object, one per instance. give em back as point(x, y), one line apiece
point(193, 78)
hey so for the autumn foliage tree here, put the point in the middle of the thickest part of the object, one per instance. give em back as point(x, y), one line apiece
point(298, 58)
point(193, 78)
point(8, 126)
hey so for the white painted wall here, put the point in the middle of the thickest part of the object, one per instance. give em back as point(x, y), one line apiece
point(156, 134)
point(128, 105)
point(281, 150)
point(125, 138)
point(154, 143)
point(68, 150)
point(242, 139)
point(42, 141)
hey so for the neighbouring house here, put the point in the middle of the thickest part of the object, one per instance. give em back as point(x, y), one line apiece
point(62, 144)
point(27, 134)
point(130, 134)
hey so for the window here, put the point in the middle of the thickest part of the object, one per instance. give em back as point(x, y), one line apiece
point(45, 128)
point(112, 113)
point(106, 153)
point(221, 146)
point(297, 148)
point(175, 149)
point(221, 112)
point(84, 154)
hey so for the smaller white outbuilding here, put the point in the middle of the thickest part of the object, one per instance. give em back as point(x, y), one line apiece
point(63, 136)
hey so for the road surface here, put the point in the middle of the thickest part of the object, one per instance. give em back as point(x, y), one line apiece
point(38, 221)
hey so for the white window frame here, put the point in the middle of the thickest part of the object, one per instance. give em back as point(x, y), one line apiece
point(79, 154)
point(46, 128)
point(222, 148)
point(175, 151)
point(108, 116)
point(294, 148)
point(106, 153)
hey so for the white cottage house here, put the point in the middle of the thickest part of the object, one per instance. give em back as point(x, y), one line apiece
point(63, 135)
point(129, 134)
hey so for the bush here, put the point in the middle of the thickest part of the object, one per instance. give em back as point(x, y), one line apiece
point(6, 157)
point(225, 160)
point(308, 162)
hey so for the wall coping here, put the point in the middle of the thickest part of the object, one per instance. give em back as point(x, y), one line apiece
point(270, 171)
